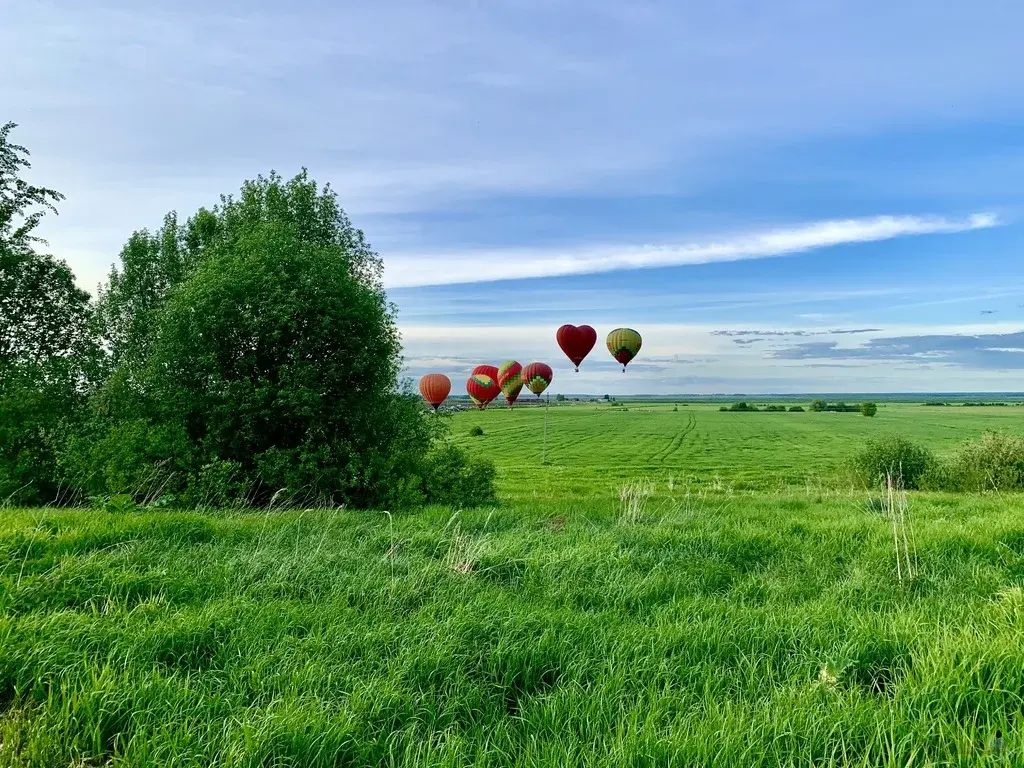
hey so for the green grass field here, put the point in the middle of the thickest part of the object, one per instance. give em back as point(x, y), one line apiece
point(741, 615)
point(593, 449)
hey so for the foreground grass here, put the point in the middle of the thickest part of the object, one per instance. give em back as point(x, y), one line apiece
point(715, 630)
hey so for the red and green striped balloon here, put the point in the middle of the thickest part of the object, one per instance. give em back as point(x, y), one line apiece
point(486, 370)
point(482, 389)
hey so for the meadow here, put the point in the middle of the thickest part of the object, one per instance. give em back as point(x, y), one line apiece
point(739, 609)
point(592, 449)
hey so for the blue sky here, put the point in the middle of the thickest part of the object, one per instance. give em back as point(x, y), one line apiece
point(781, 197)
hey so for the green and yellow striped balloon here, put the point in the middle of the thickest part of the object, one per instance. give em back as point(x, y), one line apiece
point(510, 379)
point(624, 344)
point(537, 377)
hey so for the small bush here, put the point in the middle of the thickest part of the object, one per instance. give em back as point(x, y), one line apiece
point(119, 503)
point(723, 408)
point(868, 409)
point(905, 461)
point(819, 405)
point(477, 431)
point(218, 485)
point(453, 477)
point(796, 409)
point(993, 463)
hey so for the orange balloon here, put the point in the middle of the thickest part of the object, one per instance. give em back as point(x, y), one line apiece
point(435, 387)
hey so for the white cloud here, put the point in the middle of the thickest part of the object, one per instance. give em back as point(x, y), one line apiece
point(513, 264)
point(423, 107)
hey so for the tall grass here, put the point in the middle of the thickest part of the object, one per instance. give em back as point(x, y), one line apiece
point(897, 507)
point(633, 497)
point(729, 631)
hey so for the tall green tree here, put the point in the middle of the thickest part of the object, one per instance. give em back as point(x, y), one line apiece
point(48, 356)
point(22, 205)
point(255, 352)
point(153, 263)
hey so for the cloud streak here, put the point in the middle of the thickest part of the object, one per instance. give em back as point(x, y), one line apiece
point(992, 351)
point(405, 271)
point(796, 332)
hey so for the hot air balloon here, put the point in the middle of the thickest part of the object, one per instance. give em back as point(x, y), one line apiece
point(491, 371)
point(482, 389)
point(510, 379)
point(537, 377)
point(624, 344)
point(435, 387)
point(576, 342)
point(486, 370)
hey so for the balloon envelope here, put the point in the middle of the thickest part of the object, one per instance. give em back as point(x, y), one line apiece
point(486, 370)
point(510, 379)
point(624, 344)
point(575, 342)
point(482, 389)
point(435, 387)
point(537, 377)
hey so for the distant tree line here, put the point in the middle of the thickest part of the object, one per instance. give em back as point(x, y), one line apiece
point(867, 409)
point(747, 407)
point(967, 404)
point(820, 406)
point(244, 355)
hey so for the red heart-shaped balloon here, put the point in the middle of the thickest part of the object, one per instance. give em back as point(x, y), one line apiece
point(575, 342)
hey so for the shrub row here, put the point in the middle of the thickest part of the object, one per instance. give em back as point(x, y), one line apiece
point(968, 404)
point(994, 462)
point(868, 409)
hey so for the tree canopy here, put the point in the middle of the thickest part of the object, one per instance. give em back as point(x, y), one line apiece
point(48, 355)
point(22, 205)
point(243, 355)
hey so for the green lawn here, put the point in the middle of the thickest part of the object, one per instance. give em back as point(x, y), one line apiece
point(593, 449)
point(717, 627)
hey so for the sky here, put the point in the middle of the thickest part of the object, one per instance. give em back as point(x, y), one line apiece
point(786, 196)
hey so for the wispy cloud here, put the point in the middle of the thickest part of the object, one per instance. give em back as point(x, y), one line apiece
point(992, 351)
point(514, 264)
point(794, 332)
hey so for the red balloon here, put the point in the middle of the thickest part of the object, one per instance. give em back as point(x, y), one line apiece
point(435, 387)
point(576, 342)
point(482, 389)
point(486, 370)
point(537, 377)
